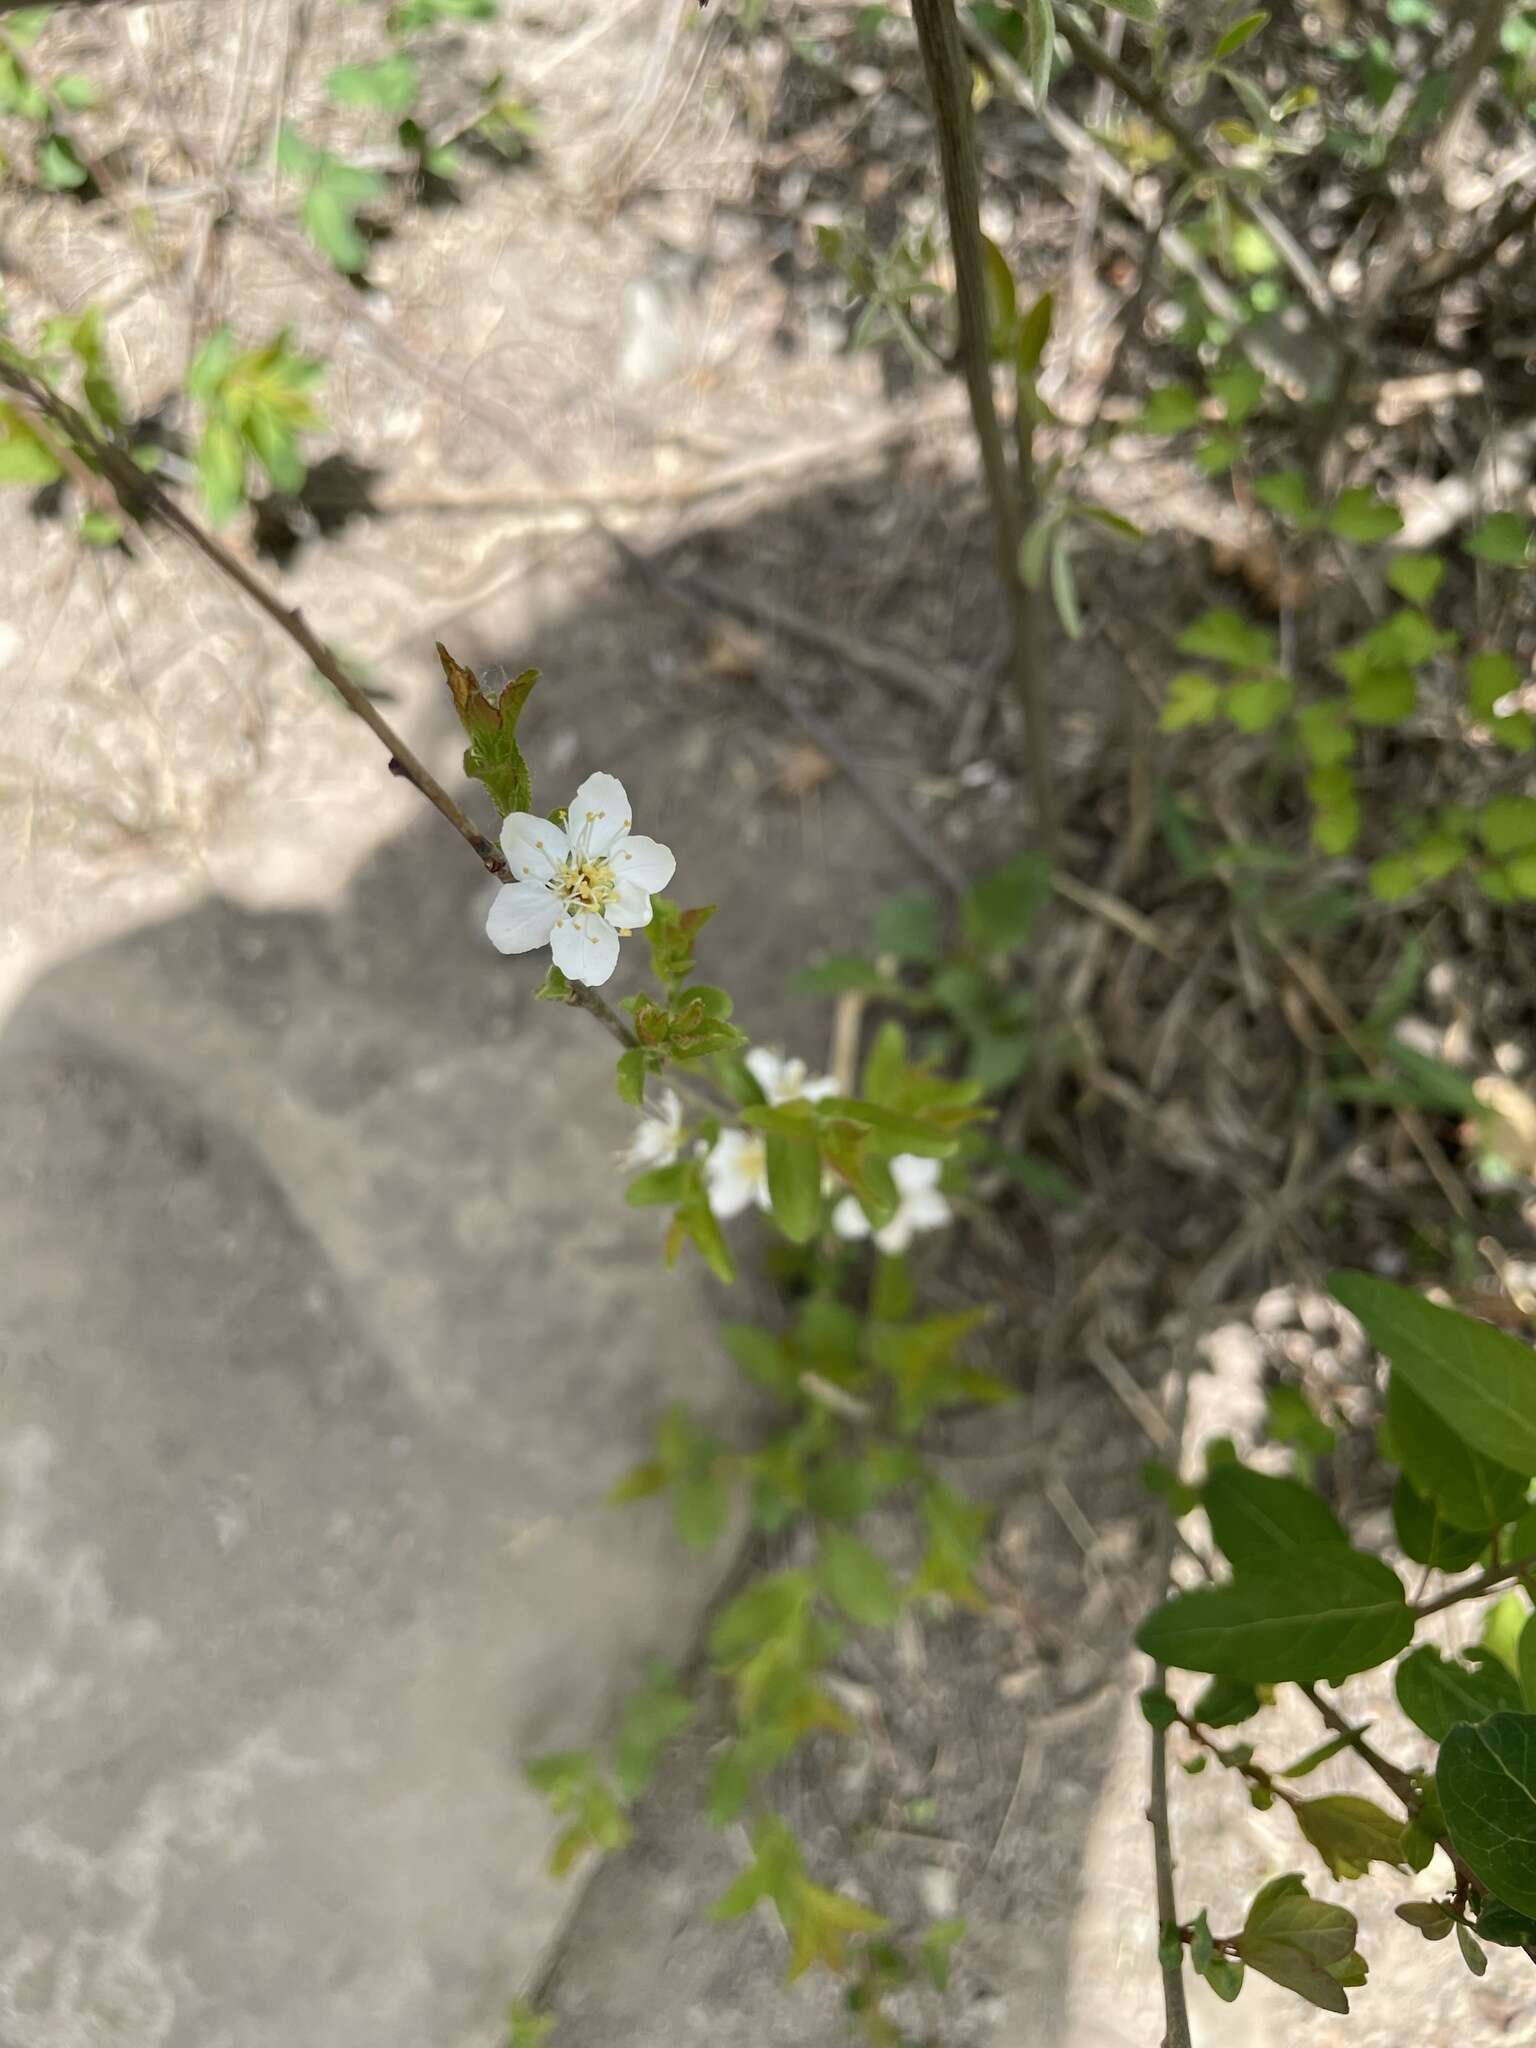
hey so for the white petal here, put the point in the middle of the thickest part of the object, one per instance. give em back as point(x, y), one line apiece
point(586, 948)
point(894, 1237)
point(645, 861)
point(848, 1219)
point(628, 908)
point(534, 848)
point(521, 917)
point(767, 1070)
point(735, 1174)
point(818, 1090)
point(598, 819)
point(911, 1172)
point(927, 1210)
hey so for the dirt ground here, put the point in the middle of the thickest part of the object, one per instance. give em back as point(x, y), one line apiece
point(633, 321)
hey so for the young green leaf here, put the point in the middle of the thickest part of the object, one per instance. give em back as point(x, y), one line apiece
point(1478, 1379)
point(1359, 515)
point(1321, 1612)
point(1486, 1777)
point(858, 1580)
point(1241, 32)
point(1504, 538)
point(1226, 636)
point(391, 84)
point(1301, 1943)
point(1194, 698)
point(1416, 577)
point(1439, 1693)
point(1350, 1834)
point(1257, 1519)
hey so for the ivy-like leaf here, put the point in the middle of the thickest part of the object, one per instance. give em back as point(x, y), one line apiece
point(1321, 1612)
point(1486, 1778)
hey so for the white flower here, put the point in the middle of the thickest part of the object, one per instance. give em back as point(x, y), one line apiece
point(576, 889)
point(657, 1135)
point(783, 1080)
point(736, 1172)
point(920, 1206)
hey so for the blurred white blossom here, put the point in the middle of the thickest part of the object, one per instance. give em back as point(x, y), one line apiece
point(919, 1206)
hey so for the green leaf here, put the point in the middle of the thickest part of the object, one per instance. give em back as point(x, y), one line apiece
point(1416, 577)
point(493, 756)
point(391, 83)
point(1384, 696)
point(1491, 676)
point(24, 457)
point(1064, 587)
point(1321, 1612)
point(1471, 1954)
point(1486, 1778)
point(652, 1716)
point(1471, 1492)
point(1291, 1419)
point(58, 167)
point(1039, 46)
point(909, 926)
point(1169, 409)
point(1359, 515)
point(1285, 491)
point(1350, 1834)
point(938, 1939)
point(1240, 33)
point(1503, 538)
point(1255, 703)
point(1438, 1693)
point(858, 1580)
point(74, 91)
point(100, 529)
point(1194, 698)
point(1507, 825)
point(1525, 1664)
point(1325, 733)
point(1300, 1942)
point(1000, 910)
point(1034, 333)
point(221, 470)
point(1479, 1380)
point(630, 1076)
point(1314, 1759)
point(1226, 636)
point(1257, 1519)
point(1225, 1703)
point(794, 1184)
point(1425, 1535)
point(1503, 1626)
point(1157, 1708)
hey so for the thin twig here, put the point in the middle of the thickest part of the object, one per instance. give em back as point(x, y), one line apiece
point(949, 83)
point(1392, 1775)
point(1176, 2034)
point(1198, 158)
point(1469, 1589)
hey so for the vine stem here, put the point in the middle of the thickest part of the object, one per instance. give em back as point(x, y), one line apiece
point(1176, 2011)
point(949, 83)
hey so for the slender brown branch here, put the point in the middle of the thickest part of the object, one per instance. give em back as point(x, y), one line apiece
point(1105, 65)
point(580, 997)
point(1176, 2012)
point(138, 493)
point(1392, 1775)
point(1469, 1589)
point(949, 84)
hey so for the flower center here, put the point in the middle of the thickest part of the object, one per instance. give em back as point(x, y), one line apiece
point(585, 884)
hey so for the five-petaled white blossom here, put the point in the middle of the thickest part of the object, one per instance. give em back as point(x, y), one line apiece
point(658, 1135)
point(576, 888)
point(919, 1206)
point(784, 1080)
point(736, 1172)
